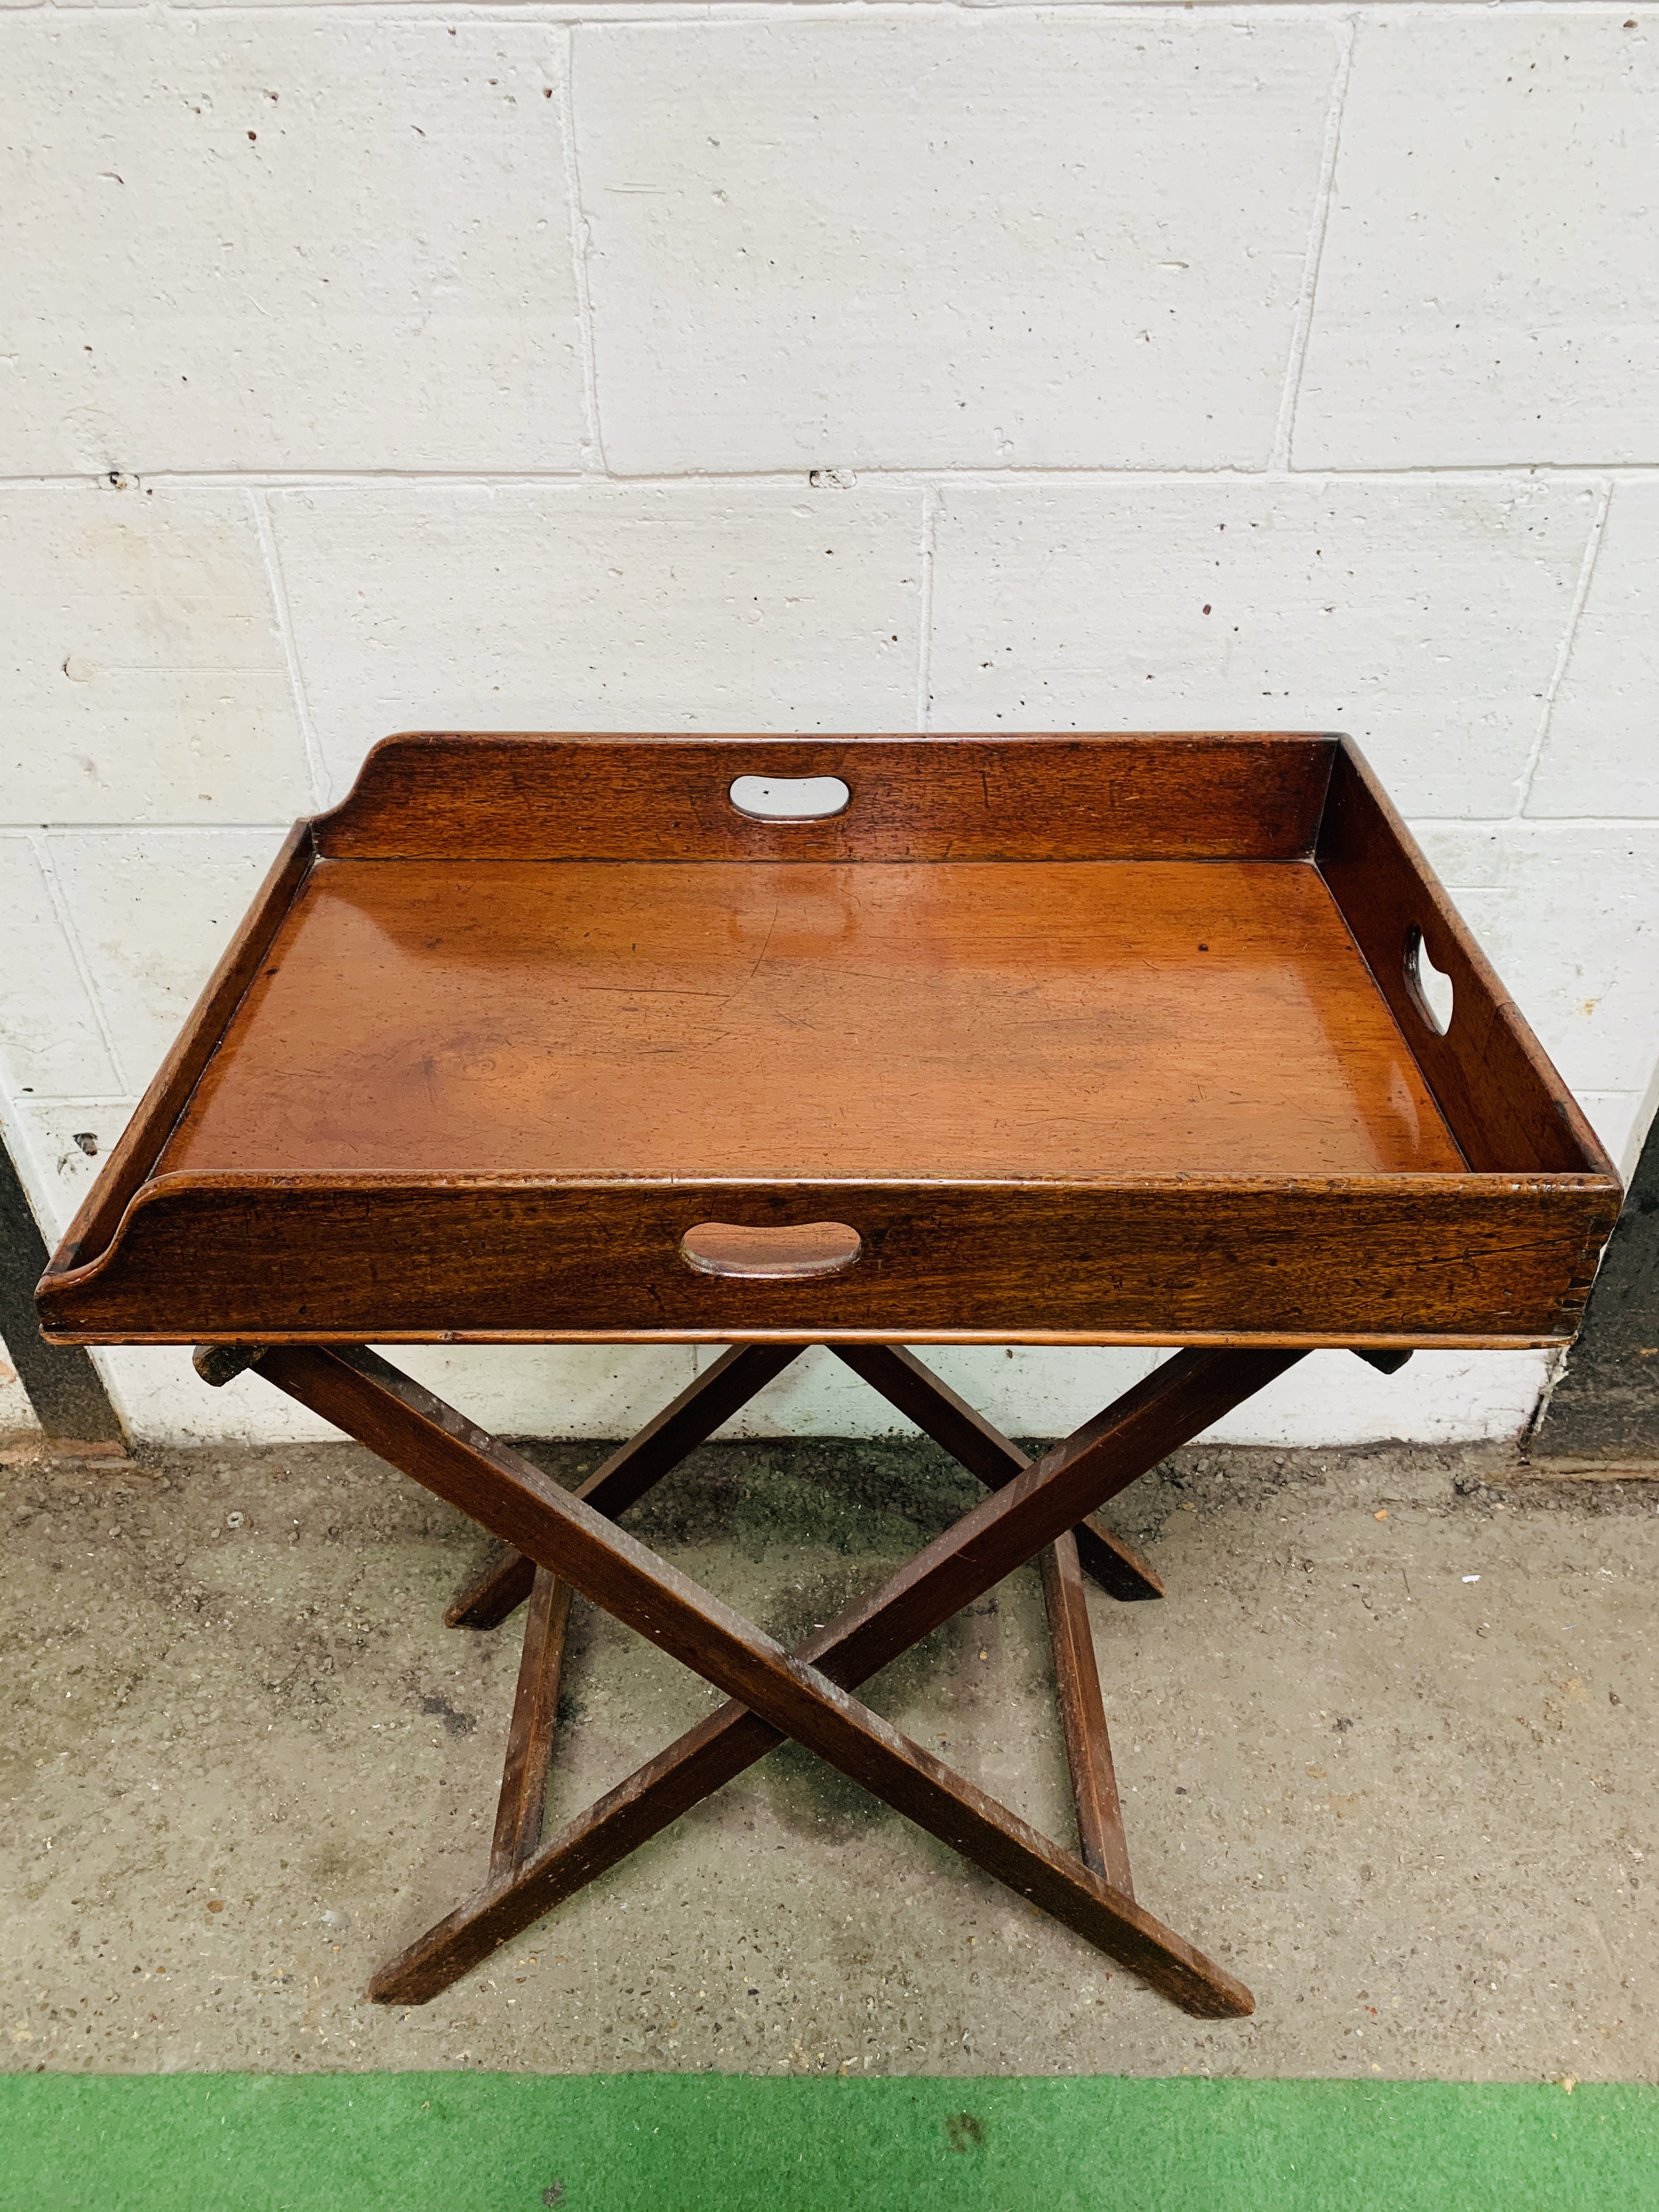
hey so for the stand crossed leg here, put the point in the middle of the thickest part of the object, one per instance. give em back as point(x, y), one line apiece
point(488, 1598)
point(776, 1694)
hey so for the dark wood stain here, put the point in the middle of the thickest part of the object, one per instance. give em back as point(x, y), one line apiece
point(1088, 1040)
point(508, 798)
point(803, 1695)
point(1071, 1040)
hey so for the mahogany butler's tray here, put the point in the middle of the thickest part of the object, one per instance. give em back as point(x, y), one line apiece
point(1059, 1039)
point(1055, 1040)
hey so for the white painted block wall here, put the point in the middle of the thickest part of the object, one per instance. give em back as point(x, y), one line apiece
point(1228, 366)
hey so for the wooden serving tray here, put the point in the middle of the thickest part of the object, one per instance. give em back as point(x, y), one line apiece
point(1043, 1040)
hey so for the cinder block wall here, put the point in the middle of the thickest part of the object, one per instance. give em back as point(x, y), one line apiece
point(787, 368)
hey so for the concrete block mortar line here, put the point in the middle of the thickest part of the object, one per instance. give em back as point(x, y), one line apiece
point(924, 612)
point(149, 827)
point(897, 476)
point(1535, 820)
point(593, 457)
point(607, 14)
point(40, 842)
point(685, 14)
point(1586, 572)
point(90, 1099)
point(689, 14)
point(1301, 329)
point(316, 768)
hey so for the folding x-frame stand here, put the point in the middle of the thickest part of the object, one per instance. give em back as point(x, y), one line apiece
point(559, 1541)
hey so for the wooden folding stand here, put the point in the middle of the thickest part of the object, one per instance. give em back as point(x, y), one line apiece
point(860, 1043)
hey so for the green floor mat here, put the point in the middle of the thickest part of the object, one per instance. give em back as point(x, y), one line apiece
point(515, 2143)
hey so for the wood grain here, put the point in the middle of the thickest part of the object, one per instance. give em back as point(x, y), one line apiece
point(570, 798)
point(1126, 1439)
point(942, 1023)
point(1181, 1098)
point(511, 1498)
point(1101, 1839)
point(1506, 1105)
point(518, 1809)
point(626, 1475)
point(1480, 1260)
point(971, 1440)
point(489, 1598)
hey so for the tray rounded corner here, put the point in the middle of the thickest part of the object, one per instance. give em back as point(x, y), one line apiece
point(65, 1306)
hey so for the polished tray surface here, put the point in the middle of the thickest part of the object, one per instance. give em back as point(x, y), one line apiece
point(782, 1019)
point(1078, 1039)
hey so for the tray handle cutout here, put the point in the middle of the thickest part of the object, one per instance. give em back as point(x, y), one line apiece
point(782, 1255)
point(1430, 987)
point(790, 797)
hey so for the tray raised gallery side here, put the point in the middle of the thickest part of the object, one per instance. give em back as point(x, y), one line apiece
point(1063, 1039)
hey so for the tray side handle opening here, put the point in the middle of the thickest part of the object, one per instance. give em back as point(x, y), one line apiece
point(1508, 1108)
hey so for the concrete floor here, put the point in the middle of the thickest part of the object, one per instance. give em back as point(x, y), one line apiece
point(1386, 1750)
